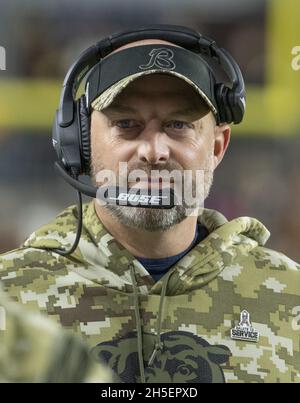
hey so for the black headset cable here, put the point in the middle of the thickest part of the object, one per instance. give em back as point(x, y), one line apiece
point(64, 252)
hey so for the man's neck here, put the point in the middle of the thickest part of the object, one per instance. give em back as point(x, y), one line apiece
point(148, 244)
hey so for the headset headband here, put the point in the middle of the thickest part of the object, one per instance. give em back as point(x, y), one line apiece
point(182, 36)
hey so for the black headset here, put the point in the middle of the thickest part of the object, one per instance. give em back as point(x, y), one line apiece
point(71, 128)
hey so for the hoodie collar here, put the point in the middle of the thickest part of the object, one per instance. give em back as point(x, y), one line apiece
point(100, 252)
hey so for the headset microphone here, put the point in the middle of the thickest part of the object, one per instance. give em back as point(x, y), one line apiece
point(160, 199)
point(134, 197)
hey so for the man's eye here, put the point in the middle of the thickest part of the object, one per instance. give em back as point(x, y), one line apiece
point(178, 125)
point(126, 124)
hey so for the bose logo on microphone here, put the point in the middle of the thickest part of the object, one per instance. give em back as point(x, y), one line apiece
point(138, 198)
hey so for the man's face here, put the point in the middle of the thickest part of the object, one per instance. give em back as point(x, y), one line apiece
point(157, 122)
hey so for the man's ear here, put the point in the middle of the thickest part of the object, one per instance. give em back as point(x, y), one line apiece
point(221, 142)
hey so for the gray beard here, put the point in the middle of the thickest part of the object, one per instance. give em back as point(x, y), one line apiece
point(152, 220)
point(147, 219)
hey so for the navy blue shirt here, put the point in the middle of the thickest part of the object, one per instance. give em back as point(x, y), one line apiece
point(158, 267)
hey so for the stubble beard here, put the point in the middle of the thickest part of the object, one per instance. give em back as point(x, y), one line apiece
point(154, 220)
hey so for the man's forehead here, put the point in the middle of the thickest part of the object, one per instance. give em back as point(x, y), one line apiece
point(184, 109)
point(172, 101)
point(158, 80)
point(160, 85)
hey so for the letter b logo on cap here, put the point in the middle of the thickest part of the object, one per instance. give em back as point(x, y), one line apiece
point(161, 58)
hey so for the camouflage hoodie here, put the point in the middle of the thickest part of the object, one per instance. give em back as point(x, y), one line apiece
point(228, 311)
point(34, 349)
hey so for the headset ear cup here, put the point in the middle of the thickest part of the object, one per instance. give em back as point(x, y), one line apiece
point(223, 102)
point(229, 105)
point(85, 135)
point(219, 95)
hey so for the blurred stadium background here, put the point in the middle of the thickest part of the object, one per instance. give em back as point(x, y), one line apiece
point(260, 174)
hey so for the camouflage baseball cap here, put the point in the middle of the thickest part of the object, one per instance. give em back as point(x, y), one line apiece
point(113, 73)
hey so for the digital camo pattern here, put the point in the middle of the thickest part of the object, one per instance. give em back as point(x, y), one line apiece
point(91, 292)
point(34, 349)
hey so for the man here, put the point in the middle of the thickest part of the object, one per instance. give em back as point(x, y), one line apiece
point(161, 295)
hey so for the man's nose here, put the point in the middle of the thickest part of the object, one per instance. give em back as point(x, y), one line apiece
point(153, 147)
